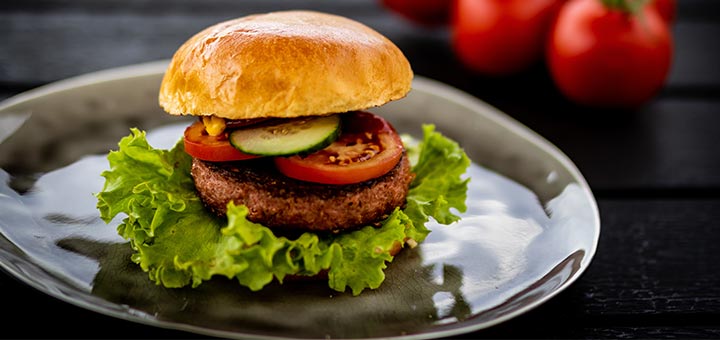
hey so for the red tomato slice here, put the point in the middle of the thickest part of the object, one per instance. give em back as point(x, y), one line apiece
point(368, 148)
point(210, 148)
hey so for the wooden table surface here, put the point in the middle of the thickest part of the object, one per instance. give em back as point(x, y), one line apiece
point(655, 172)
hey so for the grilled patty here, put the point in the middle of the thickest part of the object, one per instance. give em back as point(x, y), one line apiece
point(277, 201)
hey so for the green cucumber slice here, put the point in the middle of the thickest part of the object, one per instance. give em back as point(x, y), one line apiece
point(290, 137)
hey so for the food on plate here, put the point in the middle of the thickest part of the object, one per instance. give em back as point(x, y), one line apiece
point(284, 172)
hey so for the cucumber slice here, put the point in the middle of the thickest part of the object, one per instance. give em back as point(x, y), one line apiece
point(297, 135)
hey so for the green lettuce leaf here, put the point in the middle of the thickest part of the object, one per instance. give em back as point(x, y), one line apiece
point(178, 243)
point(437, 189)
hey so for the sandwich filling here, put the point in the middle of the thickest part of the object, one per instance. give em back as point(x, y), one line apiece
point(337, 149)
point(330, 173)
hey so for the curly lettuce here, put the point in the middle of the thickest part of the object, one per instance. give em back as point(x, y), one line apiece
point(178, 243)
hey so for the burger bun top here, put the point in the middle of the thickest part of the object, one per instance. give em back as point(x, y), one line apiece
point(284, 64)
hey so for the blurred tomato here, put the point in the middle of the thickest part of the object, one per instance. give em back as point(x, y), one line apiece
point(423, 12)
point(606, 57)
point(666, 8)
point(500, 37)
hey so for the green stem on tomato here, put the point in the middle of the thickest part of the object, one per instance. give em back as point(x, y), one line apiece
point(626, 6)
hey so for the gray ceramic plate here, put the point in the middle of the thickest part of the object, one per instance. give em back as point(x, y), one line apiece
point(531, 228)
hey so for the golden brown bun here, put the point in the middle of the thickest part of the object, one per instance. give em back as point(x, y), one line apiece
point(284, 64)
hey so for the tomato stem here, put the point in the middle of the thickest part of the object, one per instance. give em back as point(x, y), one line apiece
point(626, 6)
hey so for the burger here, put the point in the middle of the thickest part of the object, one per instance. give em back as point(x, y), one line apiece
point(284, 172)
point(281, 129)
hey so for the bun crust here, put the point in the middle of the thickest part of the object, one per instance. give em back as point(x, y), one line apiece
point(284, 64)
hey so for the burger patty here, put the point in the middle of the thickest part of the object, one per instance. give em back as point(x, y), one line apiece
point(277, 201)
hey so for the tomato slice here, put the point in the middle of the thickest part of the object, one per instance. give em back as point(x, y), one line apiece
point(368, 148)
point(210, 148)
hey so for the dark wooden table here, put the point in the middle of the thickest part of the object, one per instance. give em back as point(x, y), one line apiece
point(655, 172)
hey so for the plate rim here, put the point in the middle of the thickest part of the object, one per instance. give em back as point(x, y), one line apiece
point(154, 68)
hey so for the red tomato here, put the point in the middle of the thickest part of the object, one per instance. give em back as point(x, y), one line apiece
point(423, 12)
point(666, 8)
point(368, 148)
point(500, 37)
point(603, 57)
point(209, 148)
